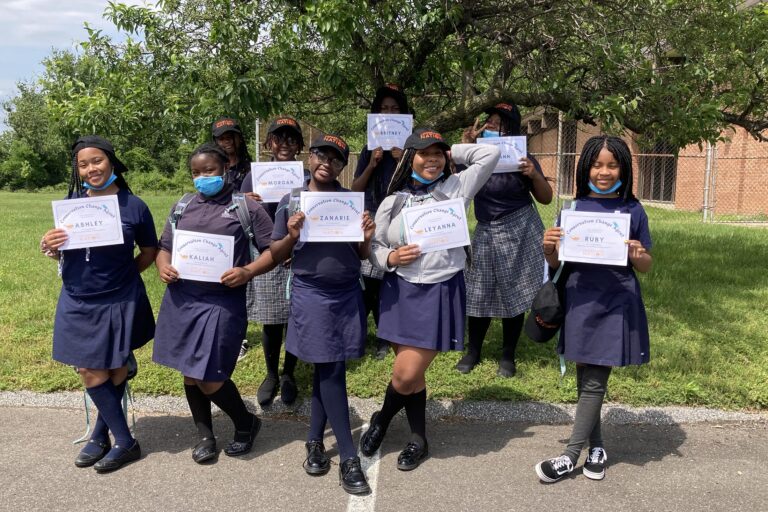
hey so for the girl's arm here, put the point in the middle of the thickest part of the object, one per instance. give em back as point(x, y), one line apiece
point(383, 256)
point(639, 257)
point(364, 247)
point(551, 245)
point(281, 249)
point(481, 160)
point(541, 189)
point(145, 258)
point(239, 276)
point(361, 181)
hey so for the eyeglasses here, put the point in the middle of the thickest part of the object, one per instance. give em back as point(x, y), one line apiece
point(334, 162)
point(288, 140)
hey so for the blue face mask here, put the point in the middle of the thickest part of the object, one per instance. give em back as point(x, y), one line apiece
point(110, 181)
point(209, 185)
point(422, 180)
point(611, 190)
point(489, 134)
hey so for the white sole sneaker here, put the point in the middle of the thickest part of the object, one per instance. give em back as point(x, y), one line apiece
point(592, 475)
point(544, 478)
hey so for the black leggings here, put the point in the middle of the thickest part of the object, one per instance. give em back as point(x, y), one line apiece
point(592, 384)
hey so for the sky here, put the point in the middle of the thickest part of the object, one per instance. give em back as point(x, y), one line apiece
point(30, 29)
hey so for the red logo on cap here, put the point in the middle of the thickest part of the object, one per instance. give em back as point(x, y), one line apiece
point(335, 140)
point(431, 135)
point(504, 106)
point(394, 87)
point(285, 120)
point(224, 122)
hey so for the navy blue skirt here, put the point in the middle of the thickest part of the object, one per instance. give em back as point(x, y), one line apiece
point(327, 323)
point(99, 332)
point(429, 316)
point(200, 330)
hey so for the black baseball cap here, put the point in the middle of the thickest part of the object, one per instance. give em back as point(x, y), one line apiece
point(287, 123)
point(508, 111)
point(334, 142)
point(95, 141)
point(423, 138)
point(223, 125)
point(393, 91)
point(546, 314)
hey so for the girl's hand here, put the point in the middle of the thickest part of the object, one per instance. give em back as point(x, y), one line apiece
point(528, 169)
point(376, 156)
point(294, 225)
point(636, 250)
point(167, 273)
point(369, 227)
point(471, 134)
point(551, 241)
point(397, 153)
point(235, 277)
point(253, 195)
point(53, 239)
point(404, 255)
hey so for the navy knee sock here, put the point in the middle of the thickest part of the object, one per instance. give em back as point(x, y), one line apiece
point(332, 380)
point(318, 418)
point(229, 400)
point(200, 407)
point(109, 403)
point(393, 402)
point(416, 411)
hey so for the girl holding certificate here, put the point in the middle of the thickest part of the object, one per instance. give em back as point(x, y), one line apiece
point(422, 295)
point(327, 322)
point(605, 323)
point(372, 176)
point(201, 324)
point(267, 303)
point(506, 248)
point(103, 312)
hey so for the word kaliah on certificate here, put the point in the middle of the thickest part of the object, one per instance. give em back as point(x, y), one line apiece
point(272, 180)
point(387, 131)
point(89, 221)
point(590, 237)
point(332, 216)
point(202, 256)
point(437, 226)
point(512, 150)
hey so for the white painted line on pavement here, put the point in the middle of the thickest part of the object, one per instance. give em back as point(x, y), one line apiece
point(370, 467)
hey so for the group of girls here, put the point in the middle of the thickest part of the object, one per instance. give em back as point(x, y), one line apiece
point(419, 300)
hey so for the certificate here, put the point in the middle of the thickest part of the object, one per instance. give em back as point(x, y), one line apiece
point(387, 131)
point(512, 150)
point(591, 237)
point(272, 180)
point(437, 226)
point(202, 256)
point(332, 216)
point(89, 221)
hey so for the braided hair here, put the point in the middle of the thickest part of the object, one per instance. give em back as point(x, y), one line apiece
point(589, 154)
point(405, 167)
point(76, 188)
point(210, 148)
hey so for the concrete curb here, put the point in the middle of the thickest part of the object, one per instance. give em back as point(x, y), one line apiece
point(361, 409)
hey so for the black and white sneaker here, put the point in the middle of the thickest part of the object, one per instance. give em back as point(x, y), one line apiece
point(243, 350)
point(594, 467)
point(552, 470)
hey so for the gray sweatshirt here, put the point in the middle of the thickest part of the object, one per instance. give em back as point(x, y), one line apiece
point(438, 266)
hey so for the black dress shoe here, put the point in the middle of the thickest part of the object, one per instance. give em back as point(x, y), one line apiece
point(238, 447)
point(288, 389)
point(467, 363)
point(317, 462)
point(121, 457)
point(89, 458)
point(382, 349)
point(205, 450)
point(506, 369)
point(372, 438)
point(411, 457)
point(267, 390)
point(352, 478)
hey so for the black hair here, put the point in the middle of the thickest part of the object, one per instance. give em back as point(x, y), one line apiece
point(76, 187)
point(510, 124)
point(210, 148)
point(405, 166)
point(400, 98)
point(272, 136)
point(589, 154)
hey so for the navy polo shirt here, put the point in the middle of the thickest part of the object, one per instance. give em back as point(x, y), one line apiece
point(110, 267)
point(209, 215)
point(376, 189)
point(236, 174)
point(333, 263)
point(504, 193)
point(271, 208)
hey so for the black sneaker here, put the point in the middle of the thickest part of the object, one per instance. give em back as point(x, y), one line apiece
point(594, 467)
point(552, 470)
point(243, 350)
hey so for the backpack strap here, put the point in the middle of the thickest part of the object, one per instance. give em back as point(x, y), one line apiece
point(178, 211)
point(240, 208)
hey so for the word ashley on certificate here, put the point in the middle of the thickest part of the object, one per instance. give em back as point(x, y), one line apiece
point(202, 256)
point(332, 217)
point(89, 222)
point(512, 150)
point(272, 180)
point(437, 226)
point(595, 237)
point(387, 131)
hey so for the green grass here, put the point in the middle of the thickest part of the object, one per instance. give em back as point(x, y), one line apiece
point(706, 299)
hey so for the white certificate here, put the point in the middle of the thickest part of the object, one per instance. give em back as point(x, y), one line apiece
point(272, 180)
point(89, 221)
point(591, 237)
point(332, 216)
point(387, 131)
point(437, 226)
point(202, 256)
point(512, 150)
